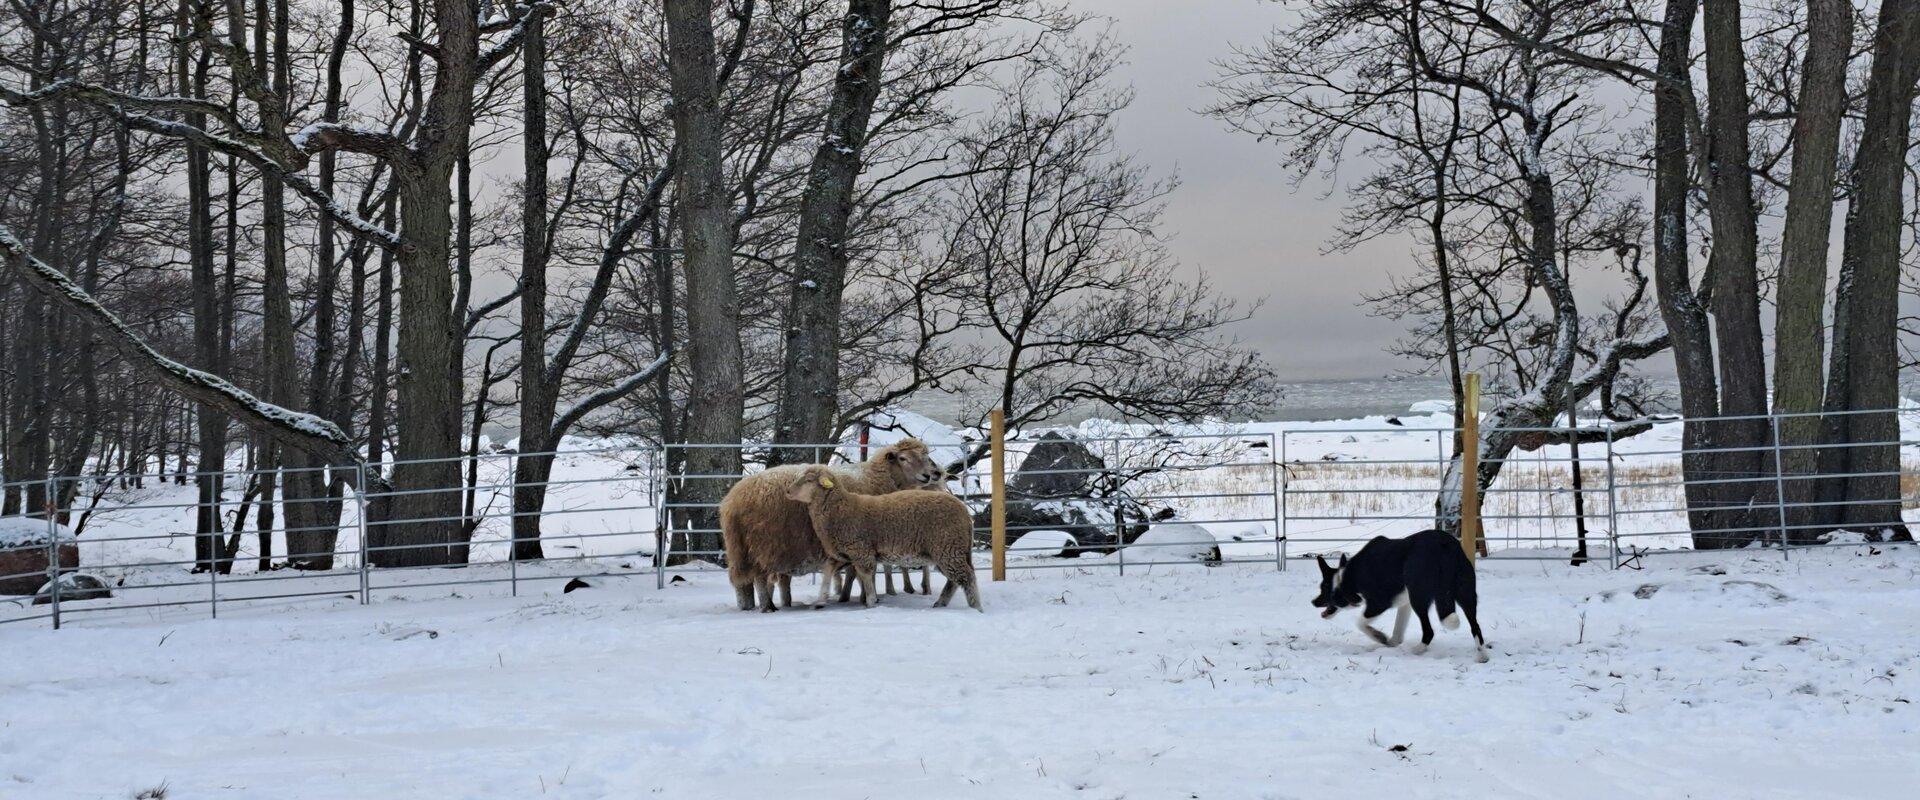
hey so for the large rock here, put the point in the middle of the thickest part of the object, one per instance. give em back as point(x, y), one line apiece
point(74, 586)
point(1058, 468)
point(1053, 490)
point(23, 553)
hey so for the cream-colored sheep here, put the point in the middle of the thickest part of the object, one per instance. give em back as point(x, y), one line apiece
point(770, 538)
point(912, 528)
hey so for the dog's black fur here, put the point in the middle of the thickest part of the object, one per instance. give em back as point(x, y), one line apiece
point(1425, 571)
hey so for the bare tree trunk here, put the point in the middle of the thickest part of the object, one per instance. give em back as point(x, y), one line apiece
point(309, 495)
point(1734, 279)
point(810, 379)
point(1799, 323)
point(537, 395)
point(1871, 270)
point(429, 403)
point(380, 382)
point(713, 305)
point(1680, 305)
point(207, 327)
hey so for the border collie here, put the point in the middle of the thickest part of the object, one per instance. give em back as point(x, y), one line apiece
point(1424, 571)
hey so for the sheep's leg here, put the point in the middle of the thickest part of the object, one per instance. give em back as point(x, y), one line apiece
point(973, 591)
point(742, 588)
point(926, 579)
point(786, 591)
point(863, 569)
point(887, 572)
point(844, 575)
point(946, 594)
point(763, 585)
point(906, 580)
point(829, 578)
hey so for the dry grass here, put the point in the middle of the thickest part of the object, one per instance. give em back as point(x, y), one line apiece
point(1531, 504)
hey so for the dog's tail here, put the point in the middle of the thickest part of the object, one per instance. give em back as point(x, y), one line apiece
point(1456, 584)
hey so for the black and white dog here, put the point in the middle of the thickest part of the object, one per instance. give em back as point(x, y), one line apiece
point(1424, 571)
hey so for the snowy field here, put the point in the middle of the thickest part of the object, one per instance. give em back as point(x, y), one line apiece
point(1703, 675)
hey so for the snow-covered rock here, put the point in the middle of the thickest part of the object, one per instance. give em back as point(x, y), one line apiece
point(1174, 541)
point(27, 531)
point(23, 552)
point(1042, 544)
point(74, 586)
point(1431, 407)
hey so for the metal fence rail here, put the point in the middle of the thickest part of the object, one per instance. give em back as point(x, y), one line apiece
point(1115, 497)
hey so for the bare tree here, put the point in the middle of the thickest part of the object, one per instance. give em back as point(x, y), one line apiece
point(1800, 315)
point(713, 305)
point(1057, 236)
point(1863, 436)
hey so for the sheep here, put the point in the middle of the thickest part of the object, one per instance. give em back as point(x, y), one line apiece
point(769, 537)
point(843, 576)
point(912, 527)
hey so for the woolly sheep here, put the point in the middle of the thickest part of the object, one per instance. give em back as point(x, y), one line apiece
point(769, 537)
point(912, 527)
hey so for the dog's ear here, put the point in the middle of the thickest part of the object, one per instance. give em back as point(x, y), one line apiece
point(1343, 559)
point(1322, 561)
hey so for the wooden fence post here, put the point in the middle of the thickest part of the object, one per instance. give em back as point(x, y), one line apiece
point(998, 441)
point(1470, 468)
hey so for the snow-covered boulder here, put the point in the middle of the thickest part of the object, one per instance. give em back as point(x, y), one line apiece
point(1043, 544)
point(1053, 491)
point(1175, 541)
point(23, 552)
point(1431, 407)
point(74, 586)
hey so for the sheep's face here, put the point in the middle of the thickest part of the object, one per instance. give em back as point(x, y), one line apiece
point(914, 467)
point(810, 484)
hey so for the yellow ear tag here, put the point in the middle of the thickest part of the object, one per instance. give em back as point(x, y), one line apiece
point(826, 482)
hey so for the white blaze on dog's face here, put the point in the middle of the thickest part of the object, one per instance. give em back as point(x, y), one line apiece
point(1334, 593)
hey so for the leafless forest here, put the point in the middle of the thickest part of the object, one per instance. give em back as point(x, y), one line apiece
point(335, 240)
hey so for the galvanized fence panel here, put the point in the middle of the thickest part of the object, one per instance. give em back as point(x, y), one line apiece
point(1139, 501)
point(1119, 497)
point(139, 534)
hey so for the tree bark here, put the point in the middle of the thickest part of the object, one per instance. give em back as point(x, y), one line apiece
point(1733, 275)
point(207, 323)
point(810, 378)
point(537, 395)
point(713, 306)
point(1868, 355)
point(425, 520)
point(1681, 307)
point(1800, 319)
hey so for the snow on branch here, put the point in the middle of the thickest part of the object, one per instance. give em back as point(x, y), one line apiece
point(321, 137)
point(595, 401)
point(284, 165)
point(516, 28)
point(304, 432)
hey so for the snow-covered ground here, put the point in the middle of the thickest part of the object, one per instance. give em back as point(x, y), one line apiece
point(1705, 675)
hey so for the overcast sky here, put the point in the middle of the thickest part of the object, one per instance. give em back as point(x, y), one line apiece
point(1236, 214)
